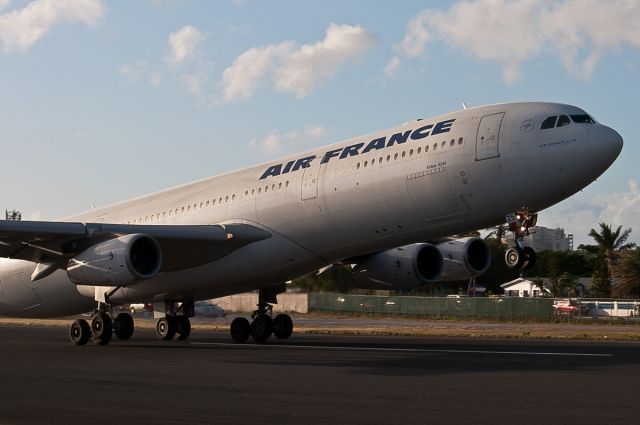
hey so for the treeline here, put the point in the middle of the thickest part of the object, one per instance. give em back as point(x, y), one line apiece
point(612, 264)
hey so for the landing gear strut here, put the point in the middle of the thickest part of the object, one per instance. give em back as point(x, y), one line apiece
point(263, 324)
point(173, 319)
point(520, 224)
point(102, 326)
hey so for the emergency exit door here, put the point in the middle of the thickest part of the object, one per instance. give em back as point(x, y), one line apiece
point(487, 139)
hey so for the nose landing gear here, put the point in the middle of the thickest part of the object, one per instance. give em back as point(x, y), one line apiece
point(520, 224)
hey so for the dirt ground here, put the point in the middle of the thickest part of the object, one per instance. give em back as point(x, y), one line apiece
point(350, 325)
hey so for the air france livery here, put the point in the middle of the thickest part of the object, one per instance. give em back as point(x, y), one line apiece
point(386, 203)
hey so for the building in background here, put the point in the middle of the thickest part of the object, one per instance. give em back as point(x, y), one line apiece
point(544, 239)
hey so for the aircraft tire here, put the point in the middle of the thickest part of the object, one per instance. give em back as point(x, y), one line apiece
point(240, 329)
point(514, 258)
point(101, 328)
point(184, 327)
point(282, 326)
point(123, 326)
point(261, 328)
point(79, 332)
point(166, 328)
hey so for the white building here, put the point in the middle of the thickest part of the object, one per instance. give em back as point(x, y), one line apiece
point(525, 288)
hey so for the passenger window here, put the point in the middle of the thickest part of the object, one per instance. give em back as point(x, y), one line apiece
point(460, 141)
point(358, 166)
point(426, 149)
point(419, 150)
point(388, 158)
point(563, 120)
point(395, 156)
point(452, 142)
point(435, 146)
point(365, 164)
point(549, 123)
point(286, 184)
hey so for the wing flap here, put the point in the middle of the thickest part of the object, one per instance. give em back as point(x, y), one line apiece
point(183, 246)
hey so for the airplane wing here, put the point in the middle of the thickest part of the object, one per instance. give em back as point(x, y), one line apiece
point(183, 246)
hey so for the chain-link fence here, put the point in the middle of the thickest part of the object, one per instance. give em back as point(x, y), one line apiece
point(450, 307)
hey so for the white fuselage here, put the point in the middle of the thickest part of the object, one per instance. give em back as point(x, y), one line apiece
point(423, 180)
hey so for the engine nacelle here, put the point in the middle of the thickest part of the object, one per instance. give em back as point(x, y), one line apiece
point(406, 267)
point(120, 261)
point(464, 258)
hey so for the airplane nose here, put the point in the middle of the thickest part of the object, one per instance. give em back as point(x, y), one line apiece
point(606, 145)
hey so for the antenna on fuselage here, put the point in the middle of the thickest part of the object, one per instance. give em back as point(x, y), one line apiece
point(464, 105)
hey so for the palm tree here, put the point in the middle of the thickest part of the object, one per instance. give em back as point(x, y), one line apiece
point(611, 242)
point(627, 274)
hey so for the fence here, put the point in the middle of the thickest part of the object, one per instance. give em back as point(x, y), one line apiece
point(496, 308)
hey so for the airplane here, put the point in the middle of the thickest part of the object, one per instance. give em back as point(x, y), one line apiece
point(386, 203)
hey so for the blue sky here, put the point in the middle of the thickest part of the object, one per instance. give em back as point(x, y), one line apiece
point(102, 101)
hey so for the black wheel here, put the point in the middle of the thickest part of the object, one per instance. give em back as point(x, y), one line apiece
point(79, 332)
point(282, 326)
point(101, 328)
point(261, 328)
point(531, 257)
point(514, 257)
point(166, 328)
point(184, 327)
point(240, 329)
point(123, 326)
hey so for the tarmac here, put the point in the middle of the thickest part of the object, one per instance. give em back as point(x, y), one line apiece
point(315, 379)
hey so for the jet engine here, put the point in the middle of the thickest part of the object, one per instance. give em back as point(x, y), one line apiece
point(406, 267)
point(464, 258)
point(121, 261)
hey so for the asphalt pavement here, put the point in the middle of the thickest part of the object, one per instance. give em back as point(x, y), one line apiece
point(315, 379)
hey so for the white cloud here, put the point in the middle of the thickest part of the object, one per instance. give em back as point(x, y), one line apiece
point(183, 45)
point(416, 37)
point(276, 142)
point(4, 4)
point(21, 28)
point(513, 32)
point(294, 68)
point(305, 66)
point(392, 67)
point(139, 71)
point(616, 209)
point(250, 70)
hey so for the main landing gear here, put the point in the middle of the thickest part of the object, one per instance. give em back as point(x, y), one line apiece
point(520, 223)
point(173, 319)
point(102, 327)
point(263, 324)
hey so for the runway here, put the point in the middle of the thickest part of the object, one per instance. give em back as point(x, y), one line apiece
point(314, 380)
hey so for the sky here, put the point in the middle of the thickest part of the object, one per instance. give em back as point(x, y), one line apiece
point(104, 101)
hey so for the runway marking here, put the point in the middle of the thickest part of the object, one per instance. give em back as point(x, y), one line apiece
point(406, 350)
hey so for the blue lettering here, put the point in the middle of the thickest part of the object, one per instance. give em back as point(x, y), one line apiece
point(421, 133)
point(303, 163)
point(272, 171)
point(375, 144)
point(443, 127)
point(327, 156)
point(351, 150)
point(287, 167)
point(398, 138)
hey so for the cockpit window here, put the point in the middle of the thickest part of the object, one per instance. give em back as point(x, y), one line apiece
point(583, 119)
point(549, 123)
point(563, 120)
